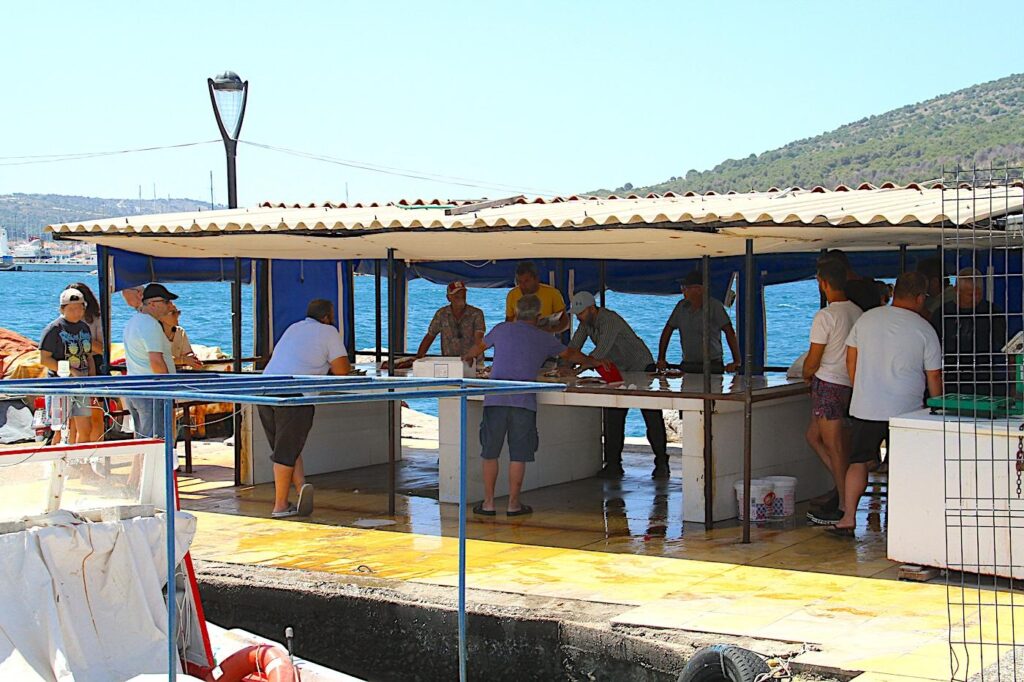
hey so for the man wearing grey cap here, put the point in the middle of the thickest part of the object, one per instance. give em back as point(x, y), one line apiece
point(616, 341)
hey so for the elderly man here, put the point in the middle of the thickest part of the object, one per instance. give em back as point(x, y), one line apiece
point(311, 346)
point(892, 356)
point(133, 296)
point(69, 338)
point(616, 341)
point(460, 325)
point(688, 318)
point(973, 333)
point(520, 350)
point(148, 351)
point(551, 302)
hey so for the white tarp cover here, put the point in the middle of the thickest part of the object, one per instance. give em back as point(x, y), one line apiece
point(83, 601)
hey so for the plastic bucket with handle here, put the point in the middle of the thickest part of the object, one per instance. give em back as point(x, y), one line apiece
point(762, 497)
point(784, 488)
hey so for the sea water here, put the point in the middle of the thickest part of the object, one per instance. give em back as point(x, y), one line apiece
point(29, 301)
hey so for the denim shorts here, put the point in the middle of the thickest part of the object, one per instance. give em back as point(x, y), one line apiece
point(518, 424)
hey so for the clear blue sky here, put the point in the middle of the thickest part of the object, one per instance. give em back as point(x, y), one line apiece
point(556, 96)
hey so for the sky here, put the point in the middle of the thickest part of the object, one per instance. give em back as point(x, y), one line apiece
point(525, 97)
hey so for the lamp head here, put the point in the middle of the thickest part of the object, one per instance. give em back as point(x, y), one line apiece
point(228, 93)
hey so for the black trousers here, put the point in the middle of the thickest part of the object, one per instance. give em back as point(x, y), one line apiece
point(615, 434)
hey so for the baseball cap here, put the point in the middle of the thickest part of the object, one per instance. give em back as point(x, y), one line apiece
point(155, 290)
point(456, 286)
point(693, 278)
point(71, 295)
point(581, 300)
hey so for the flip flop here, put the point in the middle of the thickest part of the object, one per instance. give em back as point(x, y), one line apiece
point(290, 511)
point(837, 532)
point(305, 506)
point(479, 509)
point(522, 511)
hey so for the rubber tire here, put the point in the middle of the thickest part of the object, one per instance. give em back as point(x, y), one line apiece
point(740, 665)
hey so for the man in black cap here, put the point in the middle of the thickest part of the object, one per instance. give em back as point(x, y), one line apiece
point(688, 318)
point(147, 351)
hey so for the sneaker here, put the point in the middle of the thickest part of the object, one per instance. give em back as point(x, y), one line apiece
point(660, 472)
point(821, 517)
point(611, 471)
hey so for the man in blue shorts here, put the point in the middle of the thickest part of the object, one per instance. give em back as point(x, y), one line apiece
point(520, 350)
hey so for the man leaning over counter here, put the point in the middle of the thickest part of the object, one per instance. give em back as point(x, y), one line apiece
point(616, 341)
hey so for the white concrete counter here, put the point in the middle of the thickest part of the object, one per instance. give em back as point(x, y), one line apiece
point(953, 501)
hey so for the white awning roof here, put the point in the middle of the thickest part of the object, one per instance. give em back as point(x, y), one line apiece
point(630, 228)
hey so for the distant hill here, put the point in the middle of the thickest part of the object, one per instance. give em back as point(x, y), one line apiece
point(26, 215)
point(979, 126)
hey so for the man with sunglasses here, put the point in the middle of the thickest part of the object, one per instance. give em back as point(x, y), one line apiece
point(148, 351)
point(460, 325)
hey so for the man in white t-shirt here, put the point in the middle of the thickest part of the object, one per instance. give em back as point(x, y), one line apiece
point(892, 355)
point(831, 388)
point(147, 351)
point(312, 346)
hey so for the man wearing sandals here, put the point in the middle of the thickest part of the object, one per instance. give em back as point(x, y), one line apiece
point(312, 346)
point(892, 355)
point(520, 350)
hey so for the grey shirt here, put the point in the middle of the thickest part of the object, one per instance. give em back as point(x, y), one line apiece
point(614, 340)
point(690, 323)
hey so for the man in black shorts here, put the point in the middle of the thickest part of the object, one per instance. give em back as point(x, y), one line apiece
point(892, 355)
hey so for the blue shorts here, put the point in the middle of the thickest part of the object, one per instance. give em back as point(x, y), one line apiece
point(518, 424)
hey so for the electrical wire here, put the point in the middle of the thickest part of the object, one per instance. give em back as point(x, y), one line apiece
point(402, 172)
point(78, 156)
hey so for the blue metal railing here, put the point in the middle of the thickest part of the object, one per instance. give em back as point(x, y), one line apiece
point(262, 389)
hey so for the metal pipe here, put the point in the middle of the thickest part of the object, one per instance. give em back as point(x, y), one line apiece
point(463, 464)
point(261, 329)
point(392, 334)
point(709, 405)
point(822, 299)
point(903, 259)
point(231, 147)
point(236, 351)
point(170, 502)
point(376, 295)
point(350, 311)
point(748, 393)
point(602, 280)
point(103, 273)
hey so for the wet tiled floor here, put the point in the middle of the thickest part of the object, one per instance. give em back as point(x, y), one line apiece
point(614, 542)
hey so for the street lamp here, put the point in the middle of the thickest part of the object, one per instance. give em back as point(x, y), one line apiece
point(228, 94)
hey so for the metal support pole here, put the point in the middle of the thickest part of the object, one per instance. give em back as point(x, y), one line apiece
point(462, 538)
point(170, 506)
point(822, 299)
point(261, 328)
point(392, 335)
point(748, 393)
point(903, 259)
point(709, 405)
point(103, 273)
point(236, 351)
point(602, 279)
point(376, 294)
point(231, 147)
point(350, 312)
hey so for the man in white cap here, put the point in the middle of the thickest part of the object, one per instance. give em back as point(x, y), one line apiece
point(616, 341)
point(460, 325)
point(68, 338)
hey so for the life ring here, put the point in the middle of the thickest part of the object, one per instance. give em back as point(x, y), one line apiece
point(725, 663)
point(258, 663)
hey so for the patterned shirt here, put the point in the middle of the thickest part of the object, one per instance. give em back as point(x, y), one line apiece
point(458, 336)
point(613, 340)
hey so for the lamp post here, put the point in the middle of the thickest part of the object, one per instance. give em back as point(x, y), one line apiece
point(228, 94)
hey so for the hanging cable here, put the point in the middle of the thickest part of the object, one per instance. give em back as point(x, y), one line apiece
point(55, 158)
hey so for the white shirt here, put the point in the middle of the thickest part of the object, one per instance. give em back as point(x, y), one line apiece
point(830, 328)
point(895, 347)
point(144, 335)
point(306, 348)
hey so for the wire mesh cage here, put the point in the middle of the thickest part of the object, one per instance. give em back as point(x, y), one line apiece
point(978, 311)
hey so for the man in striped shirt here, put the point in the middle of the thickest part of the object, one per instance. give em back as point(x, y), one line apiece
point(616, 341)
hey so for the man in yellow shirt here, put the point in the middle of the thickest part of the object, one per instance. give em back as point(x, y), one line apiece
point(551, 301)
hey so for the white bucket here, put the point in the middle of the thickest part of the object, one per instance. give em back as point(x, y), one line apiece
point(785, 496)
point(762, 497)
